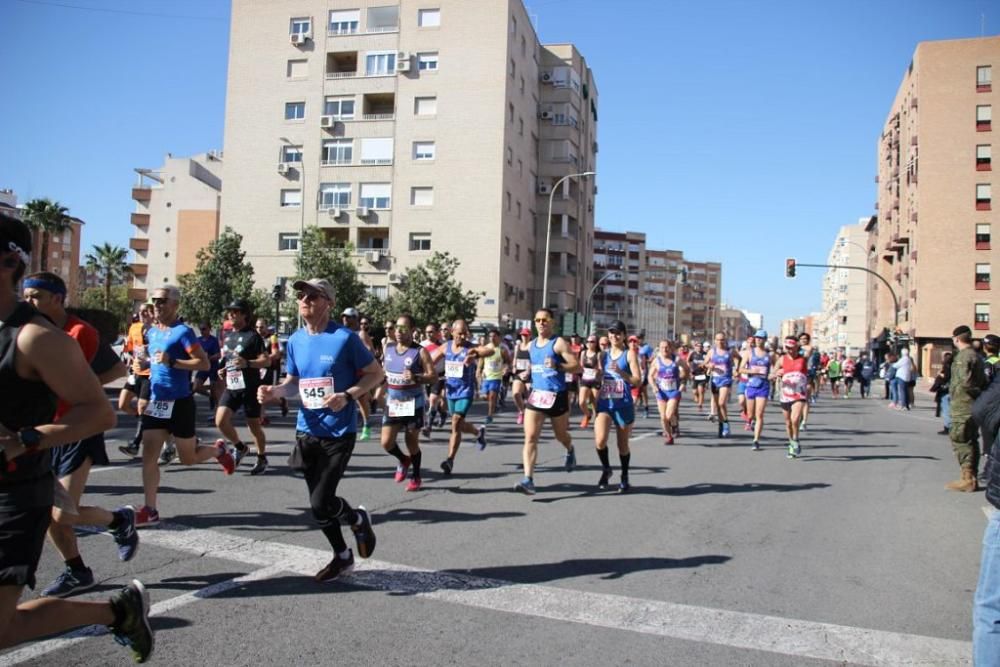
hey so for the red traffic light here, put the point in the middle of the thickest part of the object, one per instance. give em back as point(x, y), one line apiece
point(790, 267)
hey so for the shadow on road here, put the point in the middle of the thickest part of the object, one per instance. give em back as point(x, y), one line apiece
point(297, 520)
point(848, 459)
point(703, 488)
point(137, 490)
point(425, 516)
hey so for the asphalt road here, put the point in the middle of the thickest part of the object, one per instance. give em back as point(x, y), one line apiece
point(853, 554)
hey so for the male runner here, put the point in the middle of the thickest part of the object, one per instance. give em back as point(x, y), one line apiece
point(137, 385)
point(699, 375)
point(646, 354)
point(207, 383)
point(492, 370)
point(813, 367)
point(460, 360)
point(434, 345)
point(351, 319)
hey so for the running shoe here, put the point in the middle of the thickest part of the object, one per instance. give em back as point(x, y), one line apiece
point(756, 446)
point(585, 422)
point(802, 427)
point(415, 484)
point(146, 517)
point(131, 627)
point(225, 459)
point(481, 437)
point(168, 453)
point(401, 469)
point(793, 449)
point(126, 536)
point(336, 567)
point(131, 449)
point(426, 430)
point(260, 467)
point(646, 412)
point(796, 448)
point(669, 439)
point(520, 418)
point(489, 420)
point(624, 487)
point(711, 417)
point(747, 426)
point(525, 486)
point(70, 582)
point(725, 429)
point(238, 455)
point(606, 473)
point(363, 534)
point(570, 460)
point(446, 466)
point(365, 432)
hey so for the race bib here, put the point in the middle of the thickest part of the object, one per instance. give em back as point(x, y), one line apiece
point(542, 399)
point(396, 380)
point(160, 409)
point(403, 408)
point(569, 377)
point(793, 386)
point(234, 380)
point(613, 389)
point(454, 369)
point(314, 392)
point(589, 374)
point(130, 380)
point(718, 370)
point(667, 384)
point(700, 378)
point(263, 373)
point(522, 364)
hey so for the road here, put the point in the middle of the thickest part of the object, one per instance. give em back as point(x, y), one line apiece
point(854, 554)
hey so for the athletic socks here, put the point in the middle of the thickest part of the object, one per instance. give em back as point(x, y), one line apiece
point(602, 454)
point(625, 459)
point(395, 451)
point(415, 459)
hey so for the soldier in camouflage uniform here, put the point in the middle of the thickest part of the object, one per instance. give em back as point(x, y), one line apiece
point(967, 381)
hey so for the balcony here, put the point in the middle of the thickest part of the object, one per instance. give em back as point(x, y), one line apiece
point(137, 293)
point(378, 106)
point(342, 65)
point(142, 194)
point(139, 269)
point(140, 219)
point(138, 244)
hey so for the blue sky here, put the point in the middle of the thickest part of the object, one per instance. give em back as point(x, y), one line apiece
point(737, 131)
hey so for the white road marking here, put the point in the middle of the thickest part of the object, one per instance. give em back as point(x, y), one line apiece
point(740, 630)
point(33, 651)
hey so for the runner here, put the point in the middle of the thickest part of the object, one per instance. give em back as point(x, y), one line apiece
point(435, 390)
point(590, 363)
point(38, 365)
point(720, 365)
point(621, 370)
point(72, 462)
point(492, 369)
point(741, 384)
point(794, 392)
point(813, 366)
point(550, 361)
point(332, 371)
point(850, 369)
point(272, 373)
point(522, 372)
point(758, 363)
point(207, 383)
point(351, 319)
point(408, 367)
point(867, 371)
point(646, 354)
point(573, 379)
point(460, 358)
point(699, 376)
point(137, 385)
point(174, 352)
point(245, 355)
point(834, 373)
point(666, 373)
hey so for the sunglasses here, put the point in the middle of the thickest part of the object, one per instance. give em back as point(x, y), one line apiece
point(542, 320)
point(308, 296)
point(401, 328)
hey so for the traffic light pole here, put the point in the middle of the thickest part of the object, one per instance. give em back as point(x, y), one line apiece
point(895, 299)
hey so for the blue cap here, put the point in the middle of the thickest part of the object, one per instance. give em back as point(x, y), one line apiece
point(760, 334)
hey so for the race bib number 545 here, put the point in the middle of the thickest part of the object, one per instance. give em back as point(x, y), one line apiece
point(315, 391)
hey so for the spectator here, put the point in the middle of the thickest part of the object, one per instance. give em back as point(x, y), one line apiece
point(888, 373)
point(942, 399)
point(967, 381)
point(902, 378)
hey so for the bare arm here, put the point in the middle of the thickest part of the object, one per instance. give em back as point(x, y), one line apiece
point(633, 367)
point(289, 387)
point(570, 363)
point(119, 370)
point(429, 375)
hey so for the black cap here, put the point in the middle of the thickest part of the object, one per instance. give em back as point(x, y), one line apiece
point(15, 235)
point(617, 325)
point(241, 305)
point(991, 341)
point(961, 331)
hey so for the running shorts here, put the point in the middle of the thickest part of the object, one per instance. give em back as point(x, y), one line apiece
point(664, 396)
point(573, 387)
point(67, 459)
point(787, 405)
point(718, 382)
point(490, 385)
point(22, 538)
point(459, 406)
point(179, 424)
point(244, 398)
point(138, 385)
point(409, 423)
point(763, 391)
point(741, 388)
point(622, 415)
point(559, 407)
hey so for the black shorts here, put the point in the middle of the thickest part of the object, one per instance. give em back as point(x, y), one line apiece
point(241, 398)
point(67, 459)
point(414, 423)
point(22, 537)
point(436, 387)
point(268, 377)
point(787, 405)
point(138, 385)
point(573, 387)
point(180, 424)
point(558, 409)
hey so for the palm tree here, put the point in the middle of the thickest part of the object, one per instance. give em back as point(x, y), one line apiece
point(109, 262)
point(46, 217)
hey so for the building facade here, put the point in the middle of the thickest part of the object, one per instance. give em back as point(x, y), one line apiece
point(176, 215)
point(405, 129)
point(935, 182)
point(734, 323)
point(843, 321)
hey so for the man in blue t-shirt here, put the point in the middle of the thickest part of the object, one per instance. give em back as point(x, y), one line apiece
point(331, 369)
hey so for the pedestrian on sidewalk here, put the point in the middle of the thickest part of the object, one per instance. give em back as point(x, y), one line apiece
point(942, 399)
point(968, 379)
point(902, 378)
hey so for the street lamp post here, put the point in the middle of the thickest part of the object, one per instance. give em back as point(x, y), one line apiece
point(679, 282)
point(591, 296)
point(548, 235)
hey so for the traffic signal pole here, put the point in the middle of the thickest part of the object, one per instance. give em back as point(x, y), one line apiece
point(895, 299)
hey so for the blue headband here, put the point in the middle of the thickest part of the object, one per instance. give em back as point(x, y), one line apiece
point(38, 283)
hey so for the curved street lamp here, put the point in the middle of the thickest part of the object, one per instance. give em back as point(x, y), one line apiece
point(548, 234)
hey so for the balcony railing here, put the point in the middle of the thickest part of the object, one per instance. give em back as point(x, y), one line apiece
point(338, 32)
point(341, 75)
point(336, 163)
point(142, 194)
point(378, 162)
point(375, 30)
point(140, 219)
point(362, 251)
point(138, 244)
point(378, 116)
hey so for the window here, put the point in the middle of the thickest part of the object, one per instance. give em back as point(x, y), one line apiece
point(513, 68)
point(506, 246)
point(984, 78)
point(383, 19)
point(510, 112)
point(513, 25)
point(291, 154)
point(524, 46)
point(341, 108)
point(291, 198)
point(428, 18)
point(520, 126)
point(984, 157)
point(300, 26)
point(531, 260)
point(425, 106)
point(423, 150)
point(427, 61)
point(984, 117)
point(381, 63)
point(334, 195)
point(982, 276)
point(519, 209)
point(376, 195)
point(520, 167)
point(522, 85)
point(379, 291)
point(338, 152)
point(983, 316)
point(983, 236)
point(288, 242)
point(508, 200)
point(419, 242)
point(344, 22)
point(295, 110)
point(297, 69)
point(510, 156)
point(983, 196)
point(376, 150)
point(421, 196)
point(517, 249)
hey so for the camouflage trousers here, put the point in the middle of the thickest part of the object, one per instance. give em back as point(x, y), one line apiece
point(964, 436)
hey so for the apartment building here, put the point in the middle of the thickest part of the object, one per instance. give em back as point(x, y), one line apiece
point(409, 128)
point(734, 323)
point(935, 182)
point(642, 285)
point(176, 214)
point(795, 326)
point(843, 323)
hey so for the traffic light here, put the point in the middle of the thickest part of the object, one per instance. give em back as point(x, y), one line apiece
point(790, 267)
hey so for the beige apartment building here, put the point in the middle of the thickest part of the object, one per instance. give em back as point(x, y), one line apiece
point(402, 129)
point(642, 285)
point(935, 179)
point(176, 215)
point(843, 323)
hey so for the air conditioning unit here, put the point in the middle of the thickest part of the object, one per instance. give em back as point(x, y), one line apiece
point(403, 65)
point(362, 211)
point(544, 189)
point(335, 212)
point(546, 77)
point(283, 168)
point(326, 121)
point(395, 278)
point(546, 115)
point(373, 256)
point(214, 155)
point(299, 38)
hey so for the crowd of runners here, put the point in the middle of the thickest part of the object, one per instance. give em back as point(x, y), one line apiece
point(414, 379)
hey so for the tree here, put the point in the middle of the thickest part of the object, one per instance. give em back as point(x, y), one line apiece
point(110, 264)
point(321, 259)
point(220, 276)
point(46, 217)
point(119, 303)
point(431, 294)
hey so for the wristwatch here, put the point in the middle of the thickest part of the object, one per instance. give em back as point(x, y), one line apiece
point(30, 438)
